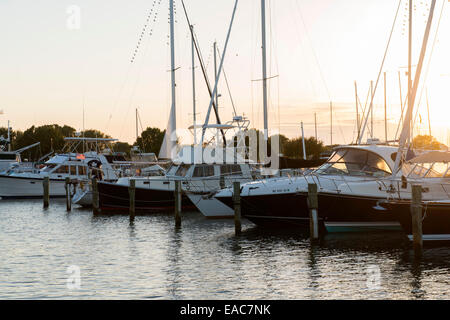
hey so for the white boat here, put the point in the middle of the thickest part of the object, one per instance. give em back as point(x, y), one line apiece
point(18, 183)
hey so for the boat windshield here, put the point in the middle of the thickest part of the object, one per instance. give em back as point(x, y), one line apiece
point(427, 170)
point(182, 170)
point(355, 162)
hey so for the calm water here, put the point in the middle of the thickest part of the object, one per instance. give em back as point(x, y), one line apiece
point(203, 260)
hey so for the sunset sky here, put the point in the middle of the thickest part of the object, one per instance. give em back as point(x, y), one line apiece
point(50, 69)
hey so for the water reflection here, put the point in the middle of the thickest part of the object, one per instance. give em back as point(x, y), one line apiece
point(203, 259)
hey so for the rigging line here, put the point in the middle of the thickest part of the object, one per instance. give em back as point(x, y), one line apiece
point(226, 81)
point(202, 65)
point(429, 60)
point(366, 118)
point(131, 65)
point(313, 51)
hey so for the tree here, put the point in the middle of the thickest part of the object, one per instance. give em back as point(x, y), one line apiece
point(150, 140)
point(426, 142)
point(293, 148)
point(51, 137)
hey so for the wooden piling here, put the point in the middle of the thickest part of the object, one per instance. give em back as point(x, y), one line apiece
point(68, 195)
point(237, 207)
point(178, 203)
point(313, 205)
point(46, 186)
point(222, 181)
point(132, 192)
point(416, 215)
point(95, 202)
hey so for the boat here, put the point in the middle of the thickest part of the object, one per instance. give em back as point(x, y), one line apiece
point(17, 183)
point(282, 202)
point(432, 173)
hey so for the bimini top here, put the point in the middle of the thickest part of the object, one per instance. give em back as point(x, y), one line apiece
point(431, 157)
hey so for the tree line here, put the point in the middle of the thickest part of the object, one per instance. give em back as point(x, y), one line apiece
point(51, 138)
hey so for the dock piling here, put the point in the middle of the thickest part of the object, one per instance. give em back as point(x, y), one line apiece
point(237, 207)
point(313, 205)
point(178, 192)
point(132, 192)
point(95, 202)
point(67, 184)
point(46, 186)
point(416, 215)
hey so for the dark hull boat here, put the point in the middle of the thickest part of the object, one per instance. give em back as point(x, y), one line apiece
point(352, 213)
point(281, 210)
point(435, 215)
point(114, 198)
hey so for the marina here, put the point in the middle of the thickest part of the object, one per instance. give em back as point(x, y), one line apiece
point(231, 200)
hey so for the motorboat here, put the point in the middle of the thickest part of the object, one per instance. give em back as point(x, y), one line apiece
point(283, 201)
point(19, 183)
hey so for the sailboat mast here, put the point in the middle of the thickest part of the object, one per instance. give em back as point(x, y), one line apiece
point(173, 114)
point(137, 135)
point(193, 85)
point(409, 67)
point(215, 74)
point(385, 111)
point(264, 67)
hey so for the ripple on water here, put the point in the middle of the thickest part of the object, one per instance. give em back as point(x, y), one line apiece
point(150, 259)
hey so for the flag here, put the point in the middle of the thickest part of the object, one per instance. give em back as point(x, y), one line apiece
point(81, 156)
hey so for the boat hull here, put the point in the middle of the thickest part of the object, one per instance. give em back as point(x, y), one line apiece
point(211, 207)
point(435, 226)
point(287, 210)
point(350, 213)
point(29, 188)
point(114, 198)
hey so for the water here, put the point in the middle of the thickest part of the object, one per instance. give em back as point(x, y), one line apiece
point(203, 260)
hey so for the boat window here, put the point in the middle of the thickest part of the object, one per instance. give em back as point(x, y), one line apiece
point(49, 167)
point(82, 170)
point(203, 171)
point(438, 170)
point(172, 170)
point(355, 162)
point(419, 170)
point(376, 162)
point(73, 170)
point(62, 169)
point(337, 155)
point(230, 169)
point(182, 170)
point(8, 156)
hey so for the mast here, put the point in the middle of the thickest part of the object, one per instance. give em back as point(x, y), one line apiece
point(412, 90)
point(331, 123)
point(428, 110)
point(385, 111)
point(9, 137)
point(170, 138)
point(264, 67)
point(211, 103)
point(173, 114)
point(357, 112)
point(215, 73)
point(303, 142)
point(371, 109)
point(193, 85)
point(137, 135)
point(315, 124)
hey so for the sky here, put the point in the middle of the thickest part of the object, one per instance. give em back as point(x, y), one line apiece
point(62, 59)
